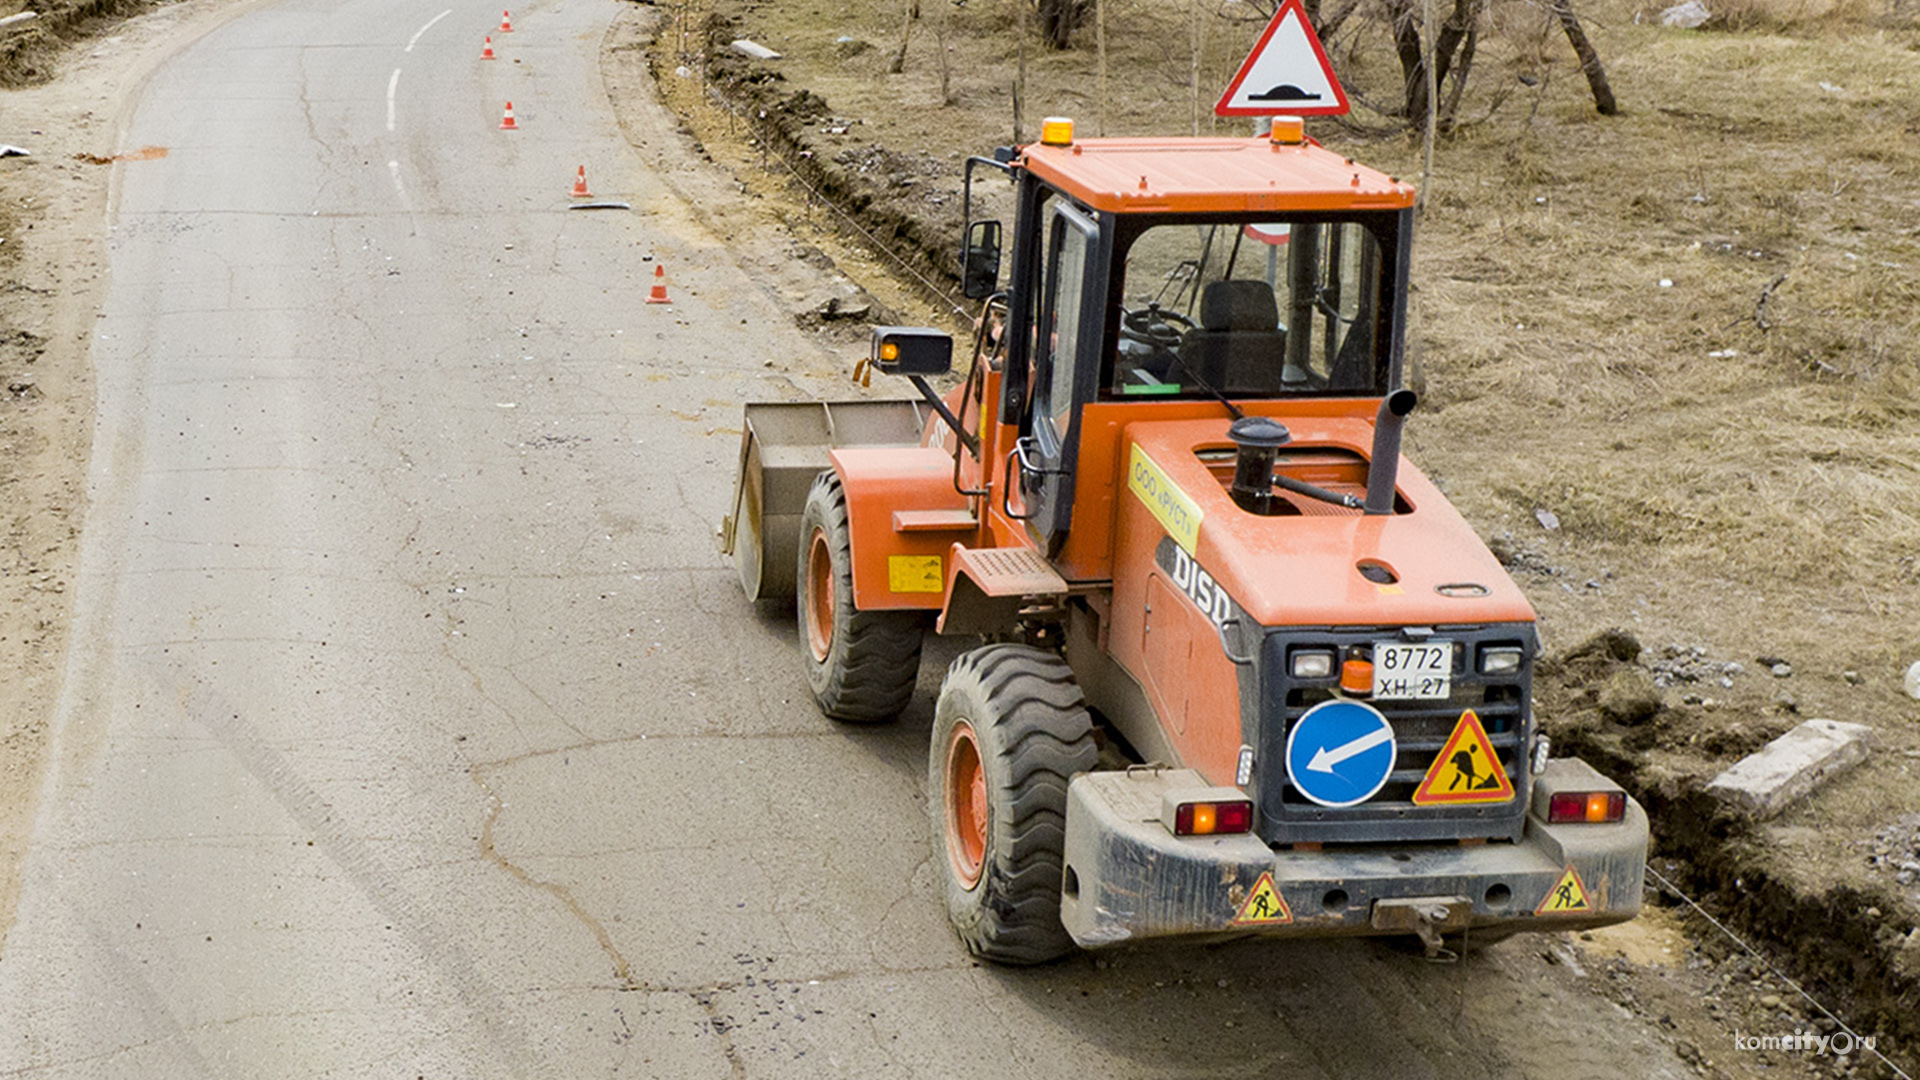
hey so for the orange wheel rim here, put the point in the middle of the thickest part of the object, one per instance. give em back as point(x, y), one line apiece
point(819, 596)
point(966, 799)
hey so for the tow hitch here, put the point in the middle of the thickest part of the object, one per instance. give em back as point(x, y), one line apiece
point(1427, 917)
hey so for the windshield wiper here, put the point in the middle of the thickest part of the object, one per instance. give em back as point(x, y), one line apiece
point(1209, 388)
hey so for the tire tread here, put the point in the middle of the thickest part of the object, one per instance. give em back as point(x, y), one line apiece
point(1037, 729)
point(872, 679)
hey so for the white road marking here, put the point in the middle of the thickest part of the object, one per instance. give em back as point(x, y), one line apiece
point(417, 34)
point(394, 168)
point(393, 85)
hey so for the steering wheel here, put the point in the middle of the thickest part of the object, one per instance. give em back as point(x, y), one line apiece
point(1153, 326)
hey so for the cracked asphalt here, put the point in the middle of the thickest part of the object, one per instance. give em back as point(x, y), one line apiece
point(413, 726)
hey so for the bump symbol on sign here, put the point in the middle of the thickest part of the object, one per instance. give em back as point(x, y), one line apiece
point(1287, 72)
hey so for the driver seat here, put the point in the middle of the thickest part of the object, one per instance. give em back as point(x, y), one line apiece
point(1238, 348)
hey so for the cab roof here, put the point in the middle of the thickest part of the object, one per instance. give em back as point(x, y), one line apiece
point(1212, 175)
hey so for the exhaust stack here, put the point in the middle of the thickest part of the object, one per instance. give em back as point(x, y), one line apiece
point(1256, 440)
point(1383, 468)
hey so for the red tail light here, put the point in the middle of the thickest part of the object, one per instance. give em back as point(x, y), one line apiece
point(1212, 818)
point(1592, 807)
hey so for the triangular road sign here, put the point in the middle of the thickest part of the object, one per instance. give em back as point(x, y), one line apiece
point(1467, 769)
point(1286, 74)
point(1264, 906)
point(1568, 894)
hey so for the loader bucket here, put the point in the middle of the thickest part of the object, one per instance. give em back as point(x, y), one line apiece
point(782, 448)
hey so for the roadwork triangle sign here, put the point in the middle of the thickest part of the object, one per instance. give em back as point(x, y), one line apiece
point(1466, 771)
point(1568, 894)
point(1264, 906)
point(1287, 73)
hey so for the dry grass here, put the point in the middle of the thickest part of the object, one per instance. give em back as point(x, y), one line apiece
point(1771, 441)
point(1795, 15)
point(1684, 432)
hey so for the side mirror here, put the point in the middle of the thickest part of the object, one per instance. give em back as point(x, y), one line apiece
point(980, 260)
point(911, 350)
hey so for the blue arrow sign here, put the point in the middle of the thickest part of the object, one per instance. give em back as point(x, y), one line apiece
point(1340, 753)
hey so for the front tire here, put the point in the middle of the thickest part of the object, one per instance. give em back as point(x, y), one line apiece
point(861, 665)
point(1011, 729)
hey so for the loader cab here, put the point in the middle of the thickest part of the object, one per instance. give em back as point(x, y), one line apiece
point(1185, 297)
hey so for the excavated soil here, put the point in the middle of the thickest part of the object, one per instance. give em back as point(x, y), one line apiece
point(1757, 613)
point(1652, 428)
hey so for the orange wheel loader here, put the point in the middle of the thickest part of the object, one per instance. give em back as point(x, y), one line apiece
point(1245, 671)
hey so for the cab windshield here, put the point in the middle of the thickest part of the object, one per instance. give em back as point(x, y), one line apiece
point(1252, 309)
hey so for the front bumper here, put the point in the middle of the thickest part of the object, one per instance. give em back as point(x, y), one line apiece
point(1129, 879)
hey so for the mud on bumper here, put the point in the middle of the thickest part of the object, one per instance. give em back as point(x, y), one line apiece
point(1128, 879)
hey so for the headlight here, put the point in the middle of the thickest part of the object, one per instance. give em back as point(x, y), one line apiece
point(1500, 661)
point(1317, 664)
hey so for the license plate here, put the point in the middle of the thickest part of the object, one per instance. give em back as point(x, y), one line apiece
point(1422, 671)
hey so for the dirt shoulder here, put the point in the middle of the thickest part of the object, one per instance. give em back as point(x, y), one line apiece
point(1667, 370)
point(64, 81)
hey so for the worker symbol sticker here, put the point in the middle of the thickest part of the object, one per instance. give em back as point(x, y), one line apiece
point(1264, 906)
point(1466, 771)
point(1568, 895)
point(914, 573)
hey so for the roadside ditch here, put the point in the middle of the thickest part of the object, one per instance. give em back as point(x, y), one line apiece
point(1855, 949)
point(28, 49)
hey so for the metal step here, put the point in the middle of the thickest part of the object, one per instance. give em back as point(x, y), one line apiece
point(1018, 571)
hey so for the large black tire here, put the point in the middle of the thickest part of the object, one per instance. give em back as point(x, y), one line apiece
point(861, 665)
point(1010, 730)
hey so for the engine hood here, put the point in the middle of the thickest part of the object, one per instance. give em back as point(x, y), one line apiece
point(1306, 569)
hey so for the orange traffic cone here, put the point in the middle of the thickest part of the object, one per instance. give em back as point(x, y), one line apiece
point(487, 53)
point(506, 122)
point(506, 22)
point(580, 185)
point(659, 293)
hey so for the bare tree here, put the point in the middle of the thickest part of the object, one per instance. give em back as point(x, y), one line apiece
point(1589, 59)
point(1059, 19)
point(899, 62)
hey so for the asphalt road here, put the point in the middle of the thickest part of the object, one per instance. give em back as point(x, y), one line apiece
point(414, 727)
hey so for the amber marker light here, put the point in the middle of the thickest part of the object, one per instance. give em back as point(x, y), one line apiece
point(1289, 130)
point(1590, 807)
point(1356, 675)
point(1213, 818)
point(890, 351)
point(1056, 131)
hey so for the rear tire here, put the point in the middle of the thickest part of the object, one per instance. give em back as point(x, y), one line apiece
point(1011, 729)
point(861, 665)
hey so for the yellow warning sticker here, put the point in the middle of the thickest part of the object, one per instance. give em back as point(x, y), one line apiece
point(1466, 770)
point(1569, 894)
point(915, 573)
point(1169, 505)
point(1264, 906)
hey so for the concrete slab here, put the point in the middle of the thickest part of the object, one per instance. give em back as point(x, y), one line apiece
point(1790, 767)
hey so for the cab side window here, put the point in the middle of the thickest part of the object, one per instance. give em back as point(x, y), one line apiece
point(1063, 313)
